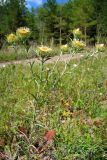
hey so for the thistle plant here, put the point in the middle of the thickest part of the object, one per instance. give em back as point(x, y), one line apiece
point(21, 37)
point(77, 33)
point(23, 34)
point(45, 80)
point(12, 39)
point(77, 44)
point(64, 48)
point(100, 47)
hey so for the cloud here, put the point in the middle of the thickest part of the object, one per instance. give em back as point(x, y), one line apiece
point(3, 1)
point(33, 3)
point(37, 2)
point(28, 6)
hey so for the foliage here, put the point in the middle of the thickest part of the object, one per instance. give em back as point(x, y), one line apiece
point(55, 111)
point(52, 23)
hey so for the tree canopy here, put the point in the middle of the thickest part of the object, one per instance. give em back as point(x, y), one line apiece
point(53, 22)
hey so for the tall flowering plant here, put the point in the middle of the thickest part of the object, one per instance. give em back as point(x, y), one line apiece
point(11, 38)
point(77, 44)
point(77, 33)
point(100, 47)
point(64, 48)
point(20, 37)
point(23, 34)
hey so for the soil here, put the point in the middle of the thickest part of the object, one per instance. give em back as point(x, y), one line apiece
point(62, 58)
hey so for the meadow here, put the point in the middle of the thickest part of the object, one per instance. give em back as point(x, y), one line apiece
point(54, 111)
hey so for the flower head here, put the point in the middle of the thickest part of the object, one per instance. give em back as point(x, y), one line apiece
point(75, 65)
point(4, 66)
point(66, 113)
point(49, 135)
point(44, 49)
point(77, 44)
point(100, 47)
point(11, 38)
point(64, 47)
point(23, 32)
point(77, 32)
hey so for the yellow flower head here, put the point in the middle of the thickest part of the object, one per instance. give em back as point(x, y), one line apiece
point(77, 32)
point(23, 32)
point(100, 47)
point(78, 44)
point(66, 113)
point(45, 49)
point(11, 38)
point(67, 104)
point(64, 47)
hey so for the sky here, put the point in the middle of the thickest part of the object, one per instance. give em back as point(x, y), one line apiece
point(37, 3)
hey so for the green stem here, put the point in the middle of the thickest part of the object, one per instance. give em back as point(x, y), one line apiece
point(42, 68)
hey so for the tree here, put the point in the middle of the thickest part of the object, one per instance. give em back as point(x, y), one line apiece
point(12, 15)
point(82, 15)
point(100, 10)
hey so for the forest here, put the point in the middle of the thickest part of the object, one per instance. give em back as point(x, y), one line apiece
point(53, 22)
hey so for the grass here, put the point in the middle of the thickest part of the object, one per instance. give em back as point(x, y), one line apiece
point(15, 53)
point(72, 102)
point(11, 53)
point(20, 53)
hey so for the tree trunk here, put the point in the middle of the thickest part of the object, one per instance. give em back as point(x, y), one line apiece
point(52, 42)
point(85, 32)
point(60, 36)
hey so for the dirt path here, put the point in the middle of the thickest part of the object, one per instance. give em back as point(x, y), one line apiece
point(62, 58)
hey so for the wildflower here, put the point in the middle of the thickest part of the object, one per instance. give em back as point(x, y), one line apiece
point(4, 66)
point(3, 155)
point(81, 55)
point(77, 32)
point(23, 32)
point(91, 55)
point(75, 65)
point(66, 113)
point(100, 94)
point(64, 47)
point(44, 49)
point(47, 69)
point(63, 121)
point(100, 47)
point(67, 104)
point(49, 135)
point(11, 38)
point(77, 44)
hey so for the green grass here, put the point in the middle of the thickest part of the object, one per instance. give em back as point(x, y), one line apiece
point(73, 103)
point(11, 53)
point(19, 53)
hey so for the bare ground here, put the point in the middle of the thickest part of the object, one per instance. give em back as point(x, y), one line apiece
point(62, 58)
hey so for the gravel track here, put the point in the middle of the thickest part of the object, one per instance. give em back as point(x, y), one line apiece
point(62, 58)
